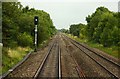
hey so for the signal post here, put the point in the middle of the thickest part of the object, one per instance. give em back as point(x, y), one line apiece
point(36, 25)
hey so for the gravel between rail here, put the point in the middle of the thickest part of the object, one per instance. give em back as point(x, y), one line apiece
point(111, 67)
point(50, 67)
point(66, 59)
point(30, 66)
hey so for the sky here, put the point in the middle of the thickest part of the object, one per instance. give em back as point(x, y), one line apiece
point(66, 12)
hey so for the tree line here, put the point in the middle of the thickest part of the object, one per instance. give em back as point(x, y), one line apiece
point(102, 27)
point(18, 25)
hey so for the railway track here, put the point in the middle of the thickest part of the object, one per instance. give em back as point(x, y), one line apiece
point(50, 66)
point(47, 64)
point(69, 66)
point(6, 75)
point(33, 66)
point(110, 66)
point(78, 68)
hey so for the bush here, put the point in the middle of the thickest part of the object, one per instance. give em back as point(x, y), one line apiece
point(25, 39)
point(12, 44)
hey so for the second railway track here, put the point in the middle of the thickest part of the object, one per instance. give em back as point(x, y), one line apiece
point(64, 57)
point(110, 66)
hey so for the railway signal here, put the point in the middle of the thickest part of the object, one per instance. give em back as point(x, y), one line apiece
point(36, 25)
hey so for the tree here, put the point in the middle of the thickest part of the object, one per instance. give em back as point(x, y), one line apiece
point(10, 27)
point(102, 27)
point(98, 24)
point(18, 25)
point(77, 30)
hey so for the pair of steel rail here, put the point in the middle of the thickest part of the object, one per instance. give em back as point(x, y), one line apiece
point(77, 44)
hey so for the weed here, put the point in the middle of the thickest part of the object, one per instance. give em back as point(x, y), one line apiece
point(10, 57)
point(113, 50)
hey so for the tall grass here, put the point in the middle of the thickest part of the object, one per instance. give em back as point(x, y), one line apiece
point(113, 50)
point(10, 57)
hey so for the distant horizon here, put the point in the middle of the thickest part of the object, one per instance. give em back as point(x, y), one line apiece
point(64, 14)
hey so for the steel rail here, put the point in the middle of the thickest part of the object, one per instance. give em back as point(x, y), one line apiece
point(78, 68)
point(45, 59)
point(73, 42)
point(117, 64)
point(59, 61)
point(116, 76)
point(43, 62)
point(16, 66)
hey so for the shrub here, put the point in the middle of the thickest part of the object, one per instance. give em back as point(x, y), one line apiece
point(25, 39)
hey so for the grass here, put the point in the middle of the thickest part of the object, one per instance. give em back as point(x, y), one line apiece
point(43, 43)
point(113, 51)
point(11, 57)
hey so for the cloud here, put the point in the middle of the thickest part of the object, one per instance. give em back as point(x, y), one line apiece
point(65, 13)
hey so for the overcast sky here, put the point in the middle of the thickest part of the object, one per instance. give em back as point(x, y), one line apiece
point(67, 12)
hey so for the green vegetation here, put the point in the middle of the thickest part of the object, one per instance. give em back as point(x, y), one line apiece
point(103, 27)
point(18, 25)
point(113, 50)
point(101, 31)
point(64, 30)
point(12, 57)
point(78, 30)
point(18, 31)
